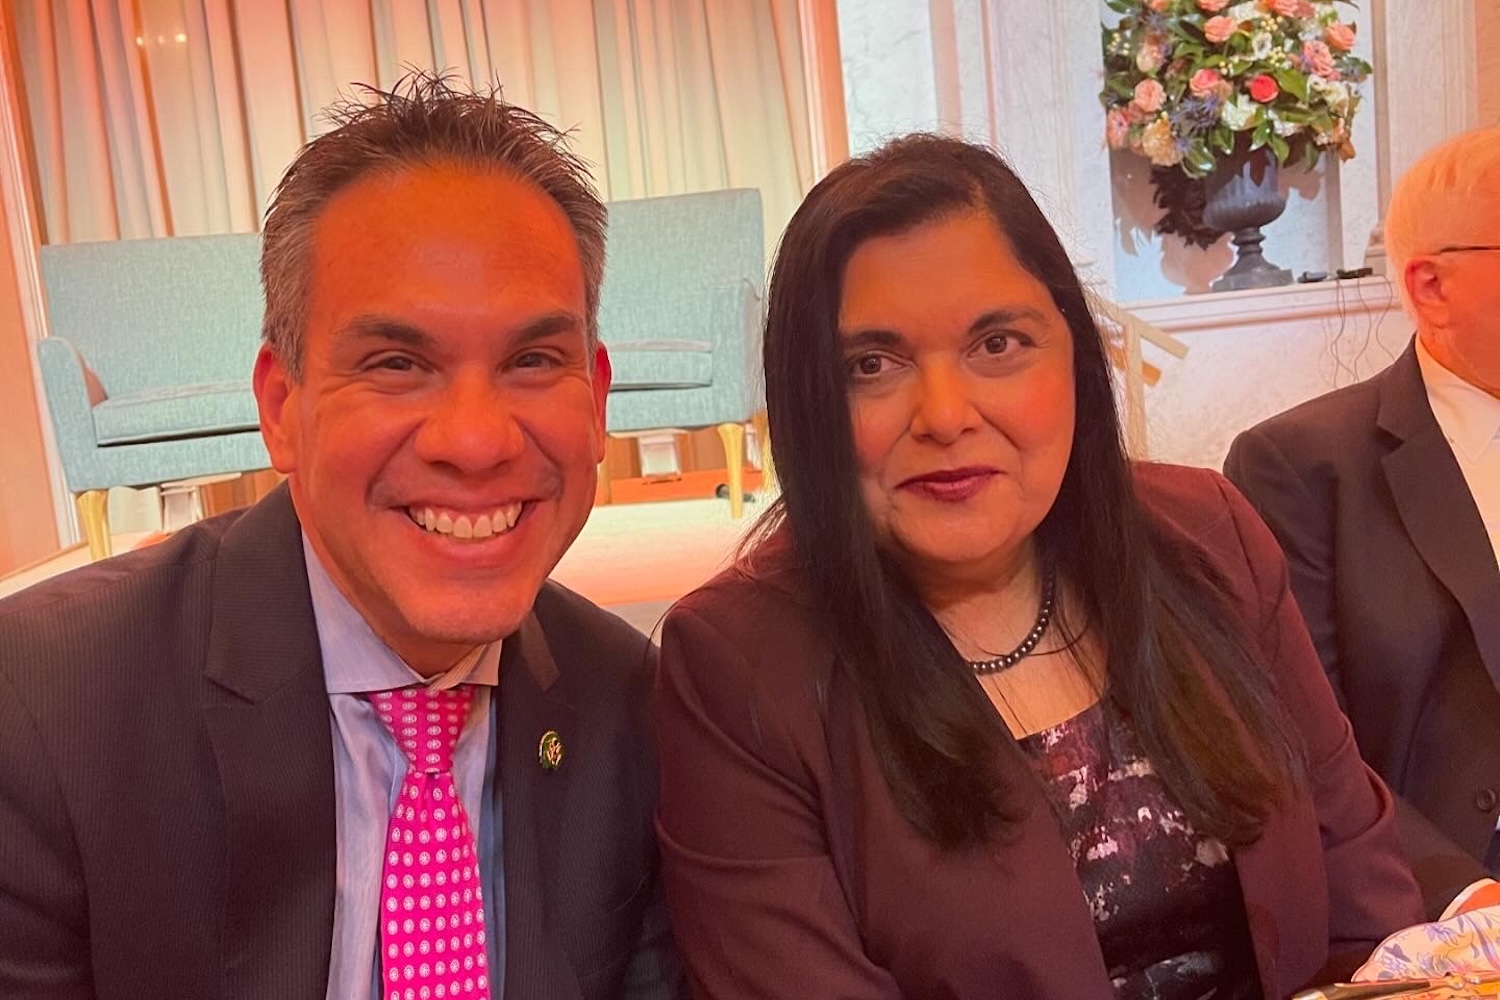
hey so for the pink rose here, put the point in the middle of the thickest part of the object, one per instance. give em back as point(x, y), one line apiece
point(1292, 8)
point(1263, 88)
point(1205, 83)
point(1219, 29)
point(1149, 96)
point(1319, 59)
point(1158, 5)
point(1116, 128)
point(1340, 36)
point(1212, 6)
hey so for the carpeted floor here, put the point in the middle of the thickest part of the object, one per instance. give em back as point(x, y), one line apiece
point(635, 559)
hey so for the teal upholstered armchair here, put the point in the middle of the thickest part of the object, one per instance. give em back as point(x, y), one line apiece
point(680, 313)
point(147, 366)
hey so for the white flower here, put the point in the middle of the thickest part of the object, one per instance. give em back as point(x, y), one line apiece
point(1334, 92)
point(1239, 113)
point(1260, 44)
point(1150, 57)
point(1242, 12)
point(1285, 128)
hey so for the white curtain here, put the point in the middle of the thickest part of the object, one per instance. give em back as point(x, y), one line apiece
point(177, 117)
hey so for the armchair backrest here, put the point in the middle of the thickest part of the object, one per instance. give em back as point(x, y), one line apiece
point(149, 313)
point(677, 243)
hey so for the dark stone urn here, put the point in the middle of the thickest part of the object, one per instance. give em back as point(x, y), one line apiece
point(1240, 197)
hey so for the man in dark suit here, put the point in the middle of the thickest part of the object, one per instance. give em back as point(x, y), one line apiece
point(199, 756)
point(1386, 497)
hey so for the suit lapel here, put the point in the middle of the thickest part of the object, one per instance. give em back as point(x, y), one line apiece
point(532, 799)
point(1435, 505)
point(265, 707)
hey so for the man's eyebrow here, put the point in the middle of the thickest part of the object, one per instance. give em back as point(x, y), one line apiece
point(383, 328)
point(876, 337)
point(548, 326)
point(404, 334)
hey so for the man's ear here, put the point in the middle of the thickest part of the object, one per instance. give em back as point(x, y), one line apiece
point(275, 398)
point(1423, 280)
point(603, 376)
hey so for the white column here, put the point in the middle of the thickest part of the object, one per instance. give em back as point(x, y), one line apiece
point(1487, 56)
point(1022, 77)
point(1426, 89)
point(1430, 82)
point(890, 83)
point(1046, 65)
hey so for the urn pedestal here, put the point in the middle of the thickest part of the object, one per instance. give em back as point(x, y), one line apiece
point(1240, 197)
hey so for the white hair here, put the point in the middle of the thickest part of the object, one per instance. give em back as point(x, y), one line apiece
point(1450, 197)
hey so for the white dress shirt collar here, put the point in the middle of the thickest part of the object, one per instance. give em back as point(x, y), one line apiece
point(1469, 416)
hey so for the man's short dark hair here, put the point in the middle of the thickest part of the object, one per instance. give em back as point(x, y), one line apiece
point(422, 120)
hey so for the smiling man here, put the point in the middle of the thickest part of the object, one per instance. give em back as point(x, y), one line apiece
point(350, 742)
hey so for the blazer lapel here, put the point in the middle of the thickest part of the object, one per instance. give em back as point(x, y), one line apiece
point(1435, 505)
point(532, 799)
point(265, 707)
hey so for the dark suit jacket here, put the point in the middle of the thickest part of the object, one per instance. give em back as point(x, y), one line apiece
point(789, 871)
point(1396, 577)
point(167, 794)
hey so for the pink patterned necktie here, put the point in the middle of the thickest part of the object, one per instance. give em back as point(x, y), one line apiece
point(432, 943)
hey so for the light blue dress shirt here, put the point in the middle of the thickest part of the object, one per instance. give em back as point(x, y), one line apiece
point(368, 769)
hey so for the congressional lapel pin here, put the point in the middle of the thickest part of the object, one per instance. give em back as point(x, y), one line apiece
point(549, 751)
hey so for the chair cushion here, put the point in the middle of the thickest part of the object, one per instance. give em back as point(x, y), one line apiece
point(661, 364)
point(177, 412)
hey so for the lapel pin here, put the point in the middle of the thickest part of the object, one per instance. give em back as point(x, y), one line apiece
point(549, 751)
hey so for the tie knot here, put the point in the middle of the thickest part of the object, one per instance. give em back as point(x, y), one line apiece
point(425, 723)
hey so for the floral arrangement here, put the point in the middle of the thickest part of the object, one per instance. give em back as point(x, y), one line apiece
point(1188, 82)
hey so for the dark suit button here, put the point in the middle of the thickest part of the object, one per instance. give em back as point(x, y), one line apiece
point(1486, 799)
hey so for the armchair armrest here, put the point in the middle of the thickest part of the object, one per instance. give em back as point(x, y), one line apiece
point(70, 397)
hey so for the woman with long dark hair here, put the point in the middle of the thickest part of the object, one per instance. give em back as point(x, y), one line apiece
point(985, 710)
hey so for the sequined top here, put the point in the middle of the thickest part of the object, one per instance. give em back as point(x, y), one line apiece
point(1166, 900)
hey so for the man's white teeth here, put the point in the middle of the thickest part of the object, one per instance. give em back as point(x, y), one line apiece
point(463, 526)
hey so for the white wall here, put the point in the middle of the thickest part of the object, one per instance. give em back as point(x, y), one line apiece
point(1256, 353)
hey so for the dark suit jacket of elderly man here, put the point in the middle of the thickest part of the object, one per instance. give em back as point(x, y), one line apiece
point(167, 816)
point(1395, 574)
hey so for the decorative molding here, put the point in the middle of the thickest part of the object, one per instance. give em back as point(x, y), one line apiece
point(1261, 306)
point(823, 74)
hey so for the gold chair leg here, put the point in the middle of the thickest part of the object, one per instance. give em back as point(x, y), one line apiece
point(604, 493)
point(733, 437)
point(93, 513)
point(763, 439)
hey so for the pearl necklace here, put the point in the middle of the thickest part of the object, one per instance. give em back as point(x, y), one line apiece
point(1038, 629)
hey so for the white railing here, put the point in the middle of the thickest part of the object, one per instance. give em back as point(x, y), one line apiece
point(1129, 332)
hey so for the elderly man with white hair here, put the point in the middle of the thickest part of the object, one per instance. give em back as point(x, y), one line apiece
point(1386, 497)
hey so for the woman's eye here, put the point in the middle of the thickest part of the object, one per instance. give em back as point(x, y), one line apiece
point(867, 365)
